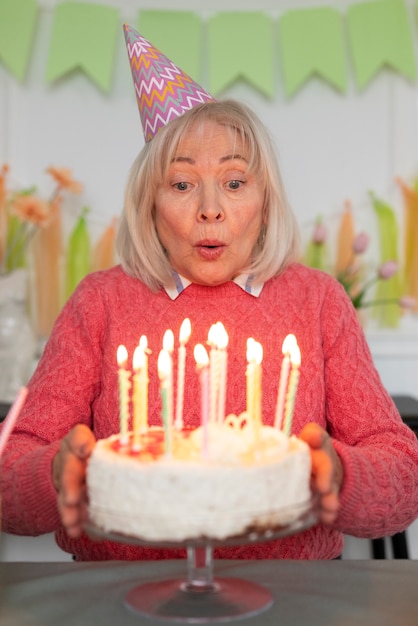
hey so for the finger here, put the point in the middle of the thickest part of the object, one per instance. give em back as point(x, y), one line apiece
point(313, 435)
point(322, 471)
point(81, 441)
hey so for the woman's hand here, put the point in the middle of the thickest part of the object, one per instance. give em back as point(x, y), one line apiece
point(69, 477)
point(327, 470)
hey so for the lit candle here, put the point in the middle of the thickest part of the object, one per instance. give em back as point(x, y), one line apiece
point(295, 360)
point(124, 387)
point(164, 374)
point(289, 341)
point(202, 364)
point(143, 343)
point(222, 344)
point(254, 359)
point(185, 330)
point(250, 376)
point(213, 372)
point(168, 345)
point(138, 364)
point(257, 383)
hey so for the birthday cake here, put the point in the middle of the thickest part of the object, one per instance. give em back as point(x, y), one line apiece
point(218, 482)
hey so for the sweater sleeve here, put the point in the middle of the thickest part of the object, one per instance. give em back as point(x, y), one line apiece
point(379, 452)
point(61, 393)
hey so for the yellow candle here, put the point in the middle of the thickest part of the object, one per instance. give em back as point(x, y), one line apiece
point(138, 393)
point(143, 343)
point(124, 387)
point(254, 359)
point(295, 360)
point(288, 343)
point(185, 331)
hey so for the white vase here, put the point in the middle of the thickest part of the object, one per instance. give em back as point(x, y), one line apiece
point(17, 339)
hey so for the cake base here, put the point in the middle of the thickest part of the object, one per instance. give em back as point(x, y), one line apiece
point(173, 601)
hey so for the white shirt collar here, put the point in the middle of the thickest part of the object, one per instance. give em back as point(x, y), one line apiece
point(245, 281)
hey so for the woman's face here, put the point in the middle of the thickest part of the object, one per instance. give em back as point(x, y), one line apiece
point(209, 210)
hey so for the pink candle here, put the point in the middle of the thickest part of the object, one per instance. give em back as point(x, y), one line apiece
point(11, 417)
point(289, 341)
point(202, 365)
point(213, 373)
point(222, 344)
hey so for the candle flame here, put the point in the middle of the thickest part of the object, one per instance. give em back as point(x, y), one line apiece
point(217, 336)
point(143, 342)
point(164, 364)
point(138, 360)
point(201, 355)
point(168, 341)
point(295, 357)
point(185, 331)
point(121, 355)
point(254, 351)
point(288, 343)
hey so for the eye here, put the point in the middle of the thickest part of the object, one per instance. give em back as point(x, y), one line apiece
point(181, 186)
point(235, 184)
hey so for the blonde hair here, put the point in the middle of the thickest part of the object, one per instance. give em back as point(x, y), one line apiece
point(138, 245)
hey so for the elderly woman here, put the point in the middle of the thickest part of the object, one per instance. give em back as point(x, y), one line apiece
point(207, 234)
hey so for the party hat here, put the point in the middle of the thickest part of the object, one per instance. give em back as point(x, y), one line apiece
point(163, 90)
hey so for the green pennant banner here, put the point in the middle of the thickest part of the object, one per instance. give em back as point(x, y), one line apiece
point(312, 42)
point(177, 34)
point(84, 36)
point(241, 46)
point(380, 34)
point(17, 28)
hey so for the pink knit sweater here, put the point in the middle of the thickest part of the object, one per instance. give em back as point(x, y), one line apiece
point(76, 381)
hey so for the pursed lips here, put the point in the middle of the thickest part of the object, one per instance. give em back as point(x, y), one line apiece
point(210, 249)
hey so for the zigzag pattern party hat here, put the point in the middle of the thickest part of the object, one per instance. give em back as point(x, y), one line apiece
point(163, 90)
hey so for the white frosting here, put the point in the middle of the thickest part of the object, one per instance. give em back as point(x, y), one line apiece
point(246, 481)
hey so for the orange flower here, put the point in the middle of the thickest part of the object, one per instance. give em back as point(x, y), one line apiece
point(64, 179)
point(31, 209)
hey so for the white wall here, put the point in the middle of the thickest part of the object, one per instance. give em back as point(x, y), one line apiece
point(331, 146)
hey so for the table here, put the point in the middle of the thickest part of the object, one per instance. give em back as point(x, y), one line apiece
point(318, 593)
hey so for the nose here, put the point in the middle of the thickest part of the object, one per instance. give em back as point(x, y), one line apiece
point(210, 206)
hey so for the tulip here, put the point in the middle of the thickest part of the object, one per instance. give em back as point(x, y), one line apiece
point(361, 243)
point(388, 269)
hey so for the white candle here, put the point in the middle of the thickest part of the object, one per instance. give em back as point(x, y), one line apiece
point(202, 364)
point(250, 376)
point(185, 330)
point(124, 387)
point(295, 359)
point(288, 343)
point(168, 346)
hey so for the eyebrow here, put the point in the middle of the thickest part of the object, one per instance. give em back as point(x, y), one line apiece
point(228, 157)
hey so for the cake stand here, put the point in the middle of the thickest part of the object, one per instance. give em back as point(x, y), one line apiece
point(200, 597)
